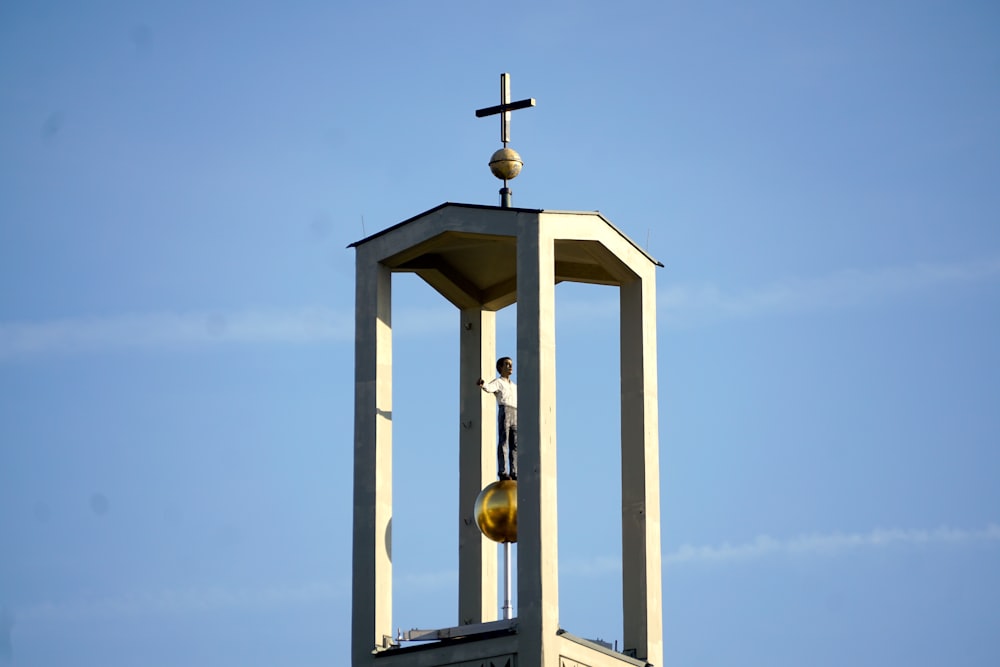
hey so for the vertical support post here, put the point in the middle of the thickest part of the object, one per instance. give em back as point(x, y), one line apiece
point(477, 556)
point(508, 607)
point(538, 553)
point(371, 584)
point(641, 578)
point(505, 194)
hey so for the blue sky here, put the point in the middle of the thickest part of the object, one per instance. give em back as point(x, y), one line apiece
point(178, 185)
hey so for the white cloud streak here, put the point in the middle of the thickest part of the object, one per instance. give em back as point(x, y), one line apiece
point(822, 544)
point(187, 601)
point(813, 544)
point(679, 305)
point(853, 287)
point(214, 599)
point(146, 330)
point(164, 329)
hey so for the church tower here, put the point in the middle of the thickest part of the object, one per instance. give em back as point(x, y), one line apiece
point(482, 259)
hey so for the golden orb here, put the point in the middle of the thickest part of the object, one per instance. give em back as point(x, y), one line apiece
point(506, 163)
point(496, 511)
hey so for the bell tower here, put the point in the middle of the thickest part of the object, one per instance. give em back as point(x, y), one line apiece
point(482, 259)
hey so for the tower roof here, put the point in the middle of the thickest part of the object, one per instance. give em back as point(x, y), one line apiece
point(468, 252)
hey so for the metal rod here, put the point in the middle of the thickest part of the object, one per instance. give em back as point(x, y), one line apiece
point(505, 194)
point(507, 608)
point(505, 116)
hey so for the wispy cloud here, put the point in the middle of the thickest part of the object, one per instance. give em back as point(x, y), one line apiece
point(168, 329)
point(852, 287)
point(214, 599)
point(829, 543)
point(144, 330)
point(765, 546)
point(687, 305)
point(187, 601)
point(679, 305)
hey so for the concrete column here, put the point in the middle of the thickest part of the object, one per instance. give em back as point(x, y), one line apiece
point(641, 577)
point(477, 556)
point(537, 549)
point(372, 557)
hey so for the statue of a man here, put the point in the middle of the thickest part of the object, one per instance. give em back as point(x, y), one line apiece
point(506, 392)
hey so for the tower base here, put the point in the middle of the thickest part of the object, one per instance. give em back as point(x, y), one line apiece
point(499, 648)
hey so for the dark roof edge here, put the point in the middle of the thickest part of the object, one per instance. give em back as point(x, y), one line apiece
point(437, 208)
point(507, 208)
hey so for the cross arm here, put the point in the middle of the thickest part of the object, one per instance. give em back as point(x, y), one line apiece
point(501, 108)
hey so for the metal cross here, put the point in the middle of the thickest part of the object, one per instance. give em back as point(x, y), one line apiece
point(505, 107)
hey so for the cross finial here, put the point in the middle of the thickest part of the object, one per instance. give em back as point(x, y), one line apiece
point(505, 107)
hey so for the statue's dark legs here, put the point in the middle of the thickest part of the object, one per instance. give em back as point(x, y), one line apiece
point(507, 442)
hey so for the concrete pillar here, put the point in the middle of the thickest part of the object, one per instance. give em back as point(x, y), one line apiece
point(641, 578)
point(477, 556)
point(538, 554)
point(371, 582)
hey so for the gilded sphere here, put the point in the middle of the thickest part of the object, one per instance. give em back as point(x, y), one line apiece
point(496, 511)
point(506, 164)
